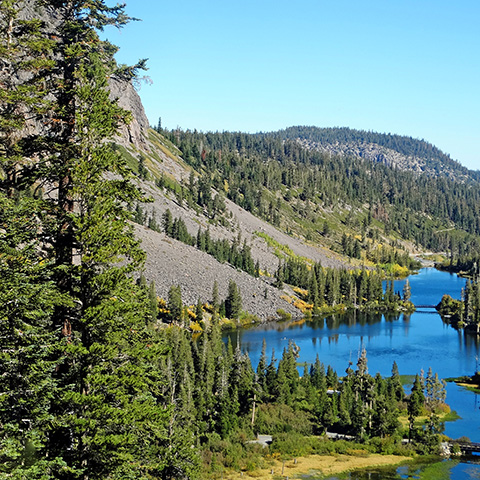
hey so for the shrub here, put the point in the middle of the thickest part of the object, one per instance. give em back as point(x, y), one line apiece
point(273, 419)
point(283, 315)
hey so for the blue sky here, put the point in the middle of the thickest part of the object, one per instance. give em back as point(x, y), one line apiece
point(410, 67)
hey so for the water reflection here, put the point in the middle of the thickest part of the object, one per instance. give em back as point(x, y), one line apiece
point(417, 341)
point(418, 470)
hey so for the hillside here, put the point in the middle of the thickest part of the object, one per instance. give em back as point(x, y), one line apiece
point(401, 152)
point(299, 193)
point(171, 262)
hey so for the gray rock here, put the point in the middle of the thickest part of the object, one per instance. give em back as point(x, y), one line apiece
point(136, 132)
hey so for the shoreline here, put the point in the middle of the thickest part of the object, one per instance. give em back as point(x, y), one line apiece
point(319, 465)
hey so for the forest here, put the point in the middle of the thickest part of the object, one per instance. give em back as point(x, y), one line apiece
point(275, 177)
point(408, 146)
point(94, 385)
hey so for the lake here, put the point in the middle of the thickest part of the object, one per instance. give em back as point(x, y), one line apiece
point(417, 341)
point(428, 469)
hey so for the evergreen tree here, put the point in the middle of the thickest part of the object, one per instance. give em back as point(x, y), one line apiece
point(152, 300)
point(395, 384)
point(261, 372)
point(215, 297)
point(93, 328)
point(313, 291)
point(385, 417)
point(317, 374)
point(175, 304)
point(415, 404)
point(271, 374)
point(345, 404)
point(167, 222)
point(30, 347)
point(199, 311)
point(233, 302)
point(331, 378)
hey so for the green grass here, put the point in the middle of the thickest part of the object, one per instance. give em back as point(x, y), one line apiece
point(157, 138)
point(281, 251)
point(130, 160)
point(438, 471)
point(451, 416)
point(464, 382)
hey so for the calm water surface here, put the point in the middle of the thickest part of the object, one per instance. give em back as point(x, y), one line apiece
point(418, 470)
point(415, 342)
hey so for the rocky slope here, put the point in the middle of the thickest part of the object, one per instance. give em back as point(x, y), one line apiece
point(376, 153)
point(170, 262)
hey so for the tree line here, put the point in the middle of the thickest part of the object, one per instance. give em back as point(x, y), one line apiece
point(349, 288)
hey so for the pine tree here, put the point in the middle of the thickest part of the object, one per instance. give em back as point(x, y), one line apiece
point(415, 404)
point(331, 378)
point(28, 294)
point(233, 302)
point(153, 300)
point(317, 374)
point(175, 304)
point(86, 327)
point(199, 311)
point(271, 374)
point(30, 347)
point(261, 372)
point(395, 383)
point(345, 404)
point(215, 297)
point(167, 222)
point(313, 292)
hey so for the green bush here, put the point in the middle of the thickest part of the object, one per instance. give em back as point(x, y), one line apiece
point(272, 419)
point(283, 315)
point(291, 444)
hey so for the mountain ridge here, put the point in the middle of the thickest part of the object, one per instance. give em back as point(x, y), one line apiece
point(401, 151)
point(283, 197)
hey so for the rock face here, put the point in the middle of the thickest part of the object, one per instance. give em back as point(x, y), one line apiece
point(136, 132)
point(376, 153)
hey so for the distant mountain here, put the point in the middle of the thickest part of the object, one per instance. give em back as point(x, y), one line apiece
point(402, 152)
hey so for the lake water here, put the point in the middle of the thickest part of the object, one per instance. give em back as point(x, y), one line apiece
point(415, 342)
point(416, 470)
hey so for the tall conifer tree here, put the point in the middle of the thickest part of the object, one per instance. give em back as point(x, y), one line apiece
point(99, 411)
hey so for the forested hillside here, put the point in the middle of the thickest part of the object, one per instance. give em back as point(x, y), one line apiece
point(323, 197)
point(402, 152)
